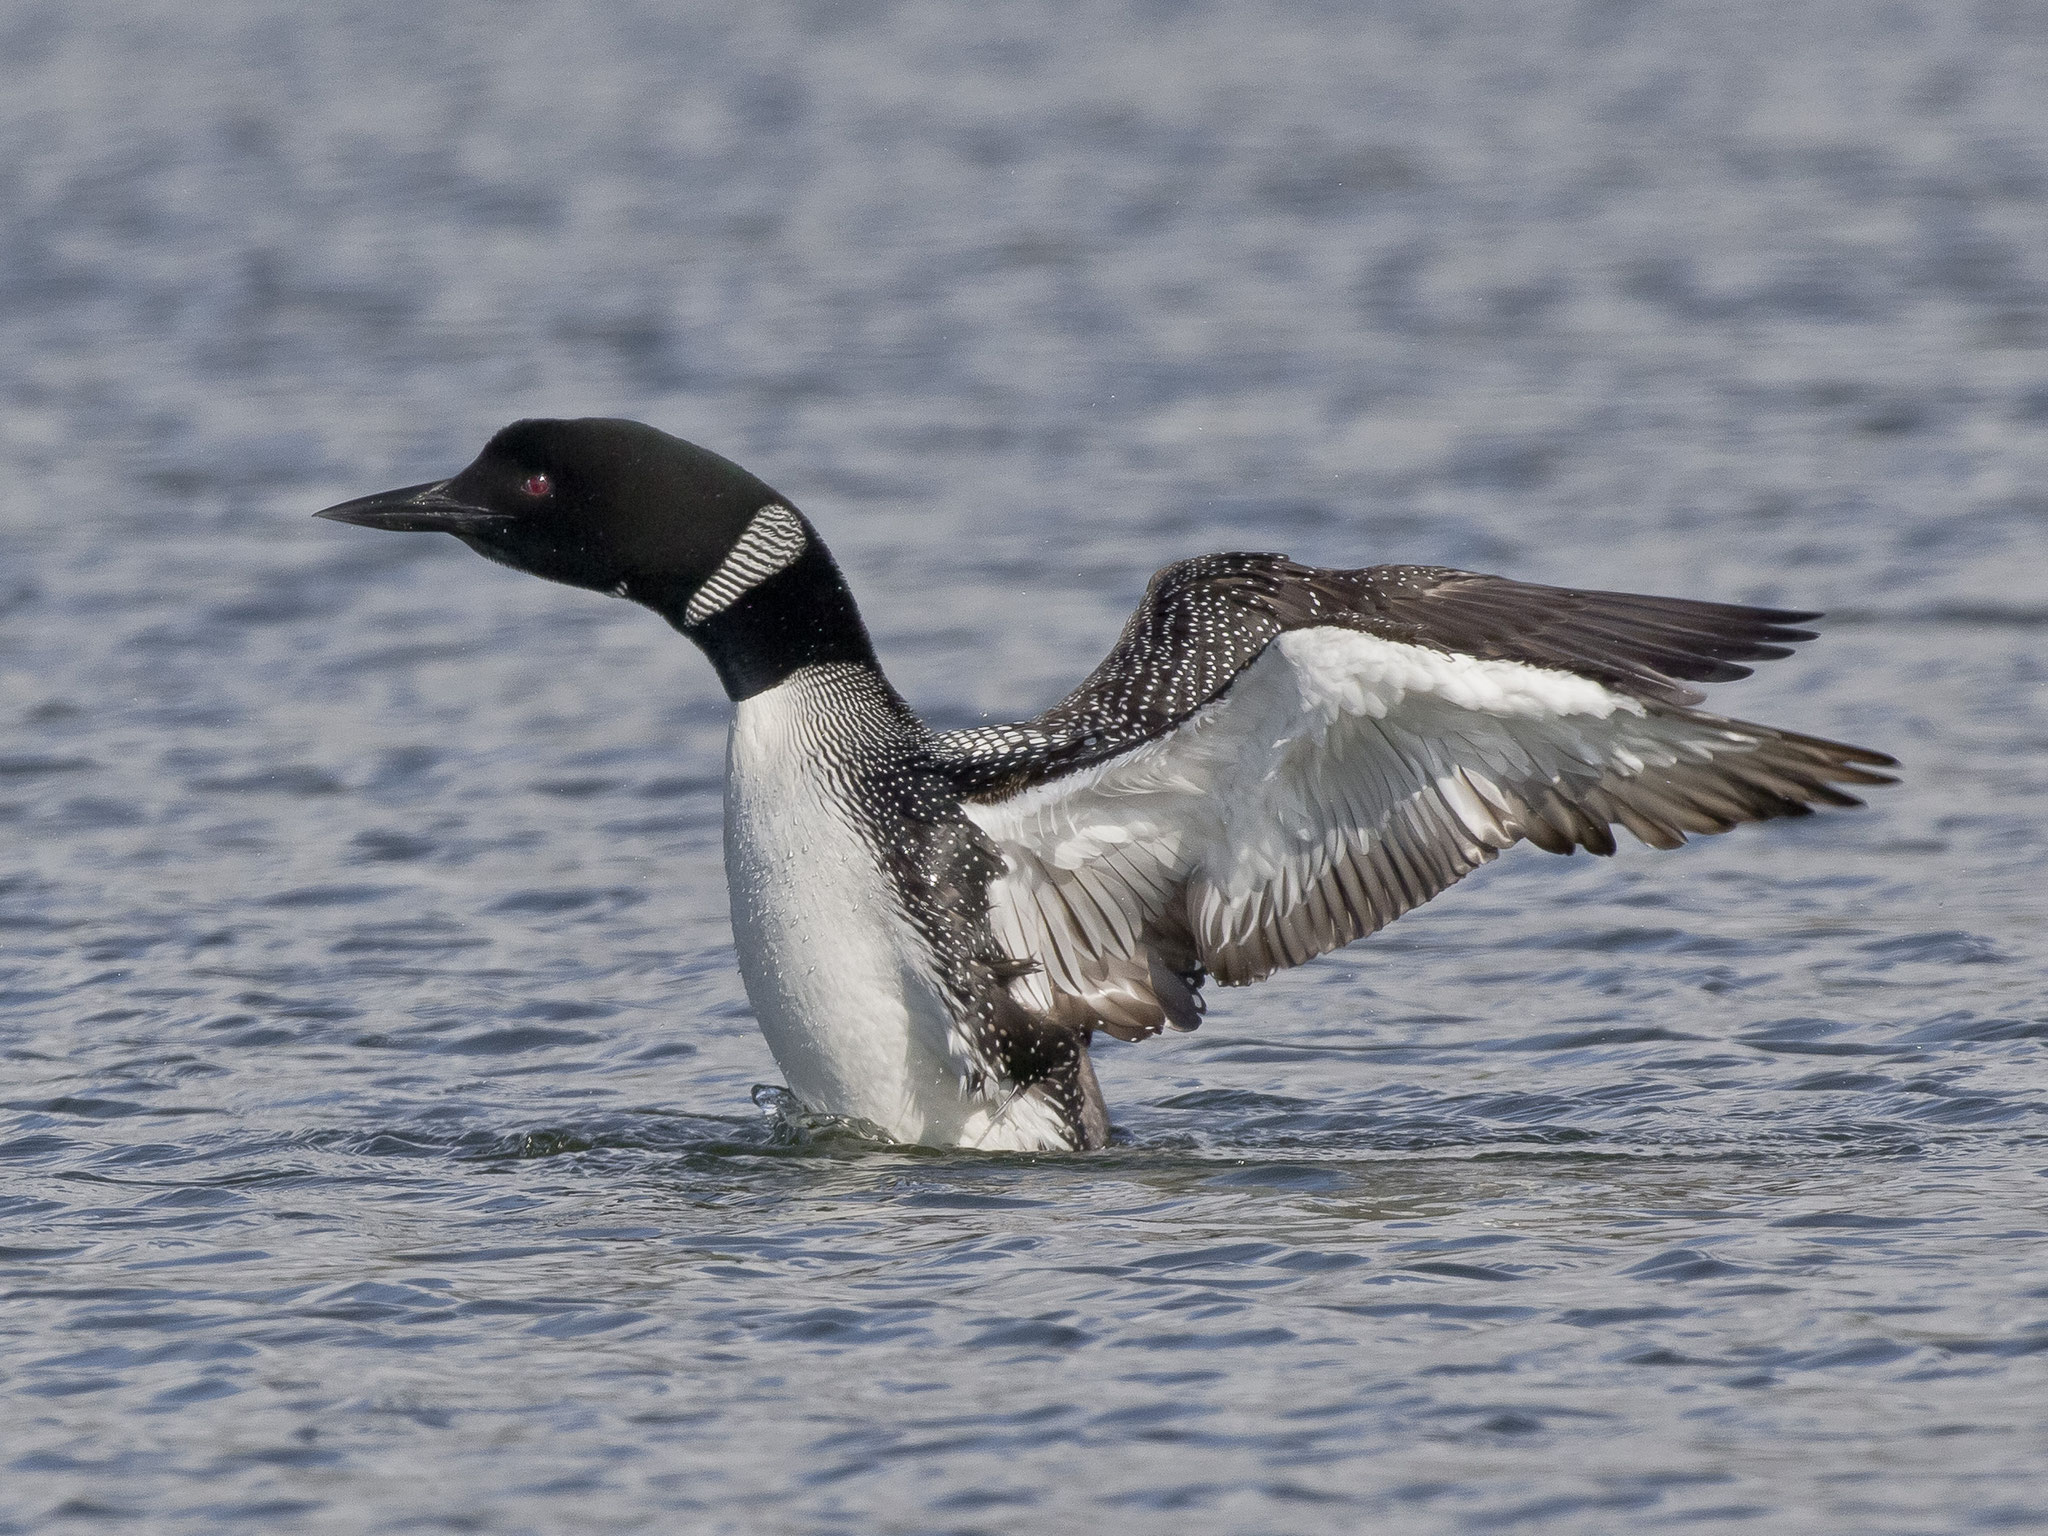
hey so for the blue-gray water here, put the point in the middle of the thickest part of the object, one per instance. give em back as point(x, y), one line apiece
point(377, 1151)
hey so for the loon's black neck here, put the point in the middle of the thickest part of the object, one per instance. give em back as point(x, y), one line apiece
point(800, 617)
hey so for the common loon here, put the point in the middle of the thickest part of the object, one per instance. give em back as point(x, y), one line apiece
point(1274, 760)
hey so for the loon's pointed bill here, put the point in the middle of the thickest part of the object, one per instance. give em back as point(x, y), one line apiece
point(1273, 761)
point(427, 508)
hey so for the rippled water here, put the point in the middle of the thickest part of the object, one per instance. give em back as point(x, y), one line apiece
point(377, 1142)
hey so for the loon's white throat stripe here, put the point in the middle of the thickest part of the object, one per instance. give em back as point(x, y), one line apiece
point(773, 541)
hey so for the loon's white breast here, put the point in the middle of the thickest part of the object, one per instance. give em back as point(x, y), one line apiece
point(840, 981)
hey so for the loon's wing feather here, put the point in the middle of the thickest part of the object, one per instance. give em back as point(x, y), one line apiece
point(1211, 801)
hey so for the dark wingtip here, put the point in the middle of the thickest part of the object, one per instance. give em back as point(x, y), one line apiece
point(1868, 757)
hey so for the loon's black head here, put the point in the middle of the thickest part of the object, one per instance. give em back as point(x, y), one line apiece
point(620, 507)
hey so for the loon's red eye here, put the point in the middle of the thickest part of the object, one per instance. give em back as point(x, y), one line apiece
point(536, 484)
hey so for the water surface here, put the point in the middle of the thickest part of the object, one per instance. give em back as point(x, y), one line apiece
point(375, 1108)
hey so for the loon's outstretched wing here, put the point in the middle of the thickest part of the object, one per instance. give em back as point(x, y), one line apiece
point(1275, 760)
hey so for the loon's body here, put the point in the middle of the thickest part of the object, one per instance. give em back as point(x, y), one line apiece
point(1273, 761)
